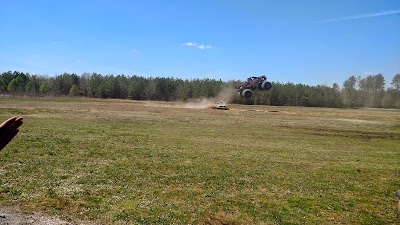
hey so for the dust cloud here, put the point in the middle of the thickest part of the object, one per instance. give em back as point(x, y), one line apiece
point(225, 96)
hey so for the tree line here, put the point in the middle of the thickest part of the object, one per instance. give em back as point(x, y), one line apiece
point(355, 92)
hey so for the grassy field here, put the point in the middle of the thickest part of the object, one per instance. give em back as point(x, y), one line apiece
point(121, 161)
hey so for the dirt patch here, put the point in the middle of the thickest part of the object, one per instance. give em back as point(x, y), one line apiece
point(349, 133)
point(358, 121)
point(11, 215)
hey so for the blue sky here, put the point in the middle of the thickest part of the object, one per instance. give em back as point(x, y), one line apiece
point(300, 41)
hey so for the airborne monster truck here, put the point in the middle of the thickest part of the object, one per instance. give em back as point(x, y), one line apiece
point(253, 83)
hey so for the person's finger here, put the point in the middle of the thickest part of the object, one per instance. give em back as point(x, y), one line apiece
point(6, 139)
point(12, 124)
point(19, 119)
point(8, 130)
point(10, 135)
point(9, 121)
point(17, 123)
point(4, 126)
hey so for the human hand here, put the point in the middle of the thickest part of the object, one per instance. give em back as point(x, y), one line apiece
point(398, 207)
point(8, 130)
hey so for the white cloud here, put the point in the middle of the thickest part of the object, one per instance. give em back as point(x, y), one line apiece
point(204, 46)
point(190, 44)
point(194, 44)
point(381, 13)
point(135, 51)
point(57, 43)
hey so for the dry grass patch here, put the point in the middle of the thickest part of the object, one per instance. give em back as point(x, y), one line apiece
point(120, 161)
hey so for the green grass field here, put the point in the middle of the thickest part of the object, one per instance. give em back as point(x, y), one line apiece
point(121, 161)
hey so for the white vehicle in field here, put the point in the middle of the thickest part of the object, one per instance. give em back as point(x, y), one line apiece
point(219, 105)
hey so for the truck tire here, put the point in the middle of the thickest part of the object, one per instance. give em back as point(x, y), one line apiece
point(247, 93)
point(266, 85)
